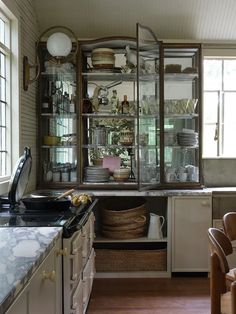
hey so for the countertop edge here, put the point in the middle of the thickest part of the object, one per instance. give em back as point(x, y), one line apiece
point(20, 284)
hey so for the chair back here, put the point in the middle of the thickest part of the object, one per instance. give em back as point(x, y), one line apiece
point(229, 225)
point(221, 246)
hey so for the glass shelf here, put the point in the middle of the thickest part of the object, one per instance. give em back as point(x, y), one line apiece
point(180, 76)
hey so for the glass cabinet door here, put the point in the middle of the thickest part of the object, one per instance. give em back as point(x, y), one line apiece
point(108, 147)
point(181, 114)
point(149, 108)
point(58, 124)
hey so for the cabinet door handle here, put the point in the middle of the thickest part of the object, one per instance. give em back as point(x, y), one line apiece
point(63, 252)
point(50, 275)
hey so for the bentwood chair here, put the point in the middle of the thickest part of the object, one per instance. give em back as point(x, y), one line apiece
point(222, 279)
point(229, 225)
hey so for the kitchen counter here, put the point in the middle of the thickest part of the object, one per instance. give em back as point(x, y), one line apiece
point(166, 192)
point(22, 250)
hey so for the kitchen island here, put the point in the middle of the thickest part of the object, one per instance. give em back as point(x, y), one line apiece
point(22, 250)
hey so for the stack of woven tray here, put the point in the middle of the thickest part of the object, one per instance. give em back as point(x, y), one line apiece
point(124, 221)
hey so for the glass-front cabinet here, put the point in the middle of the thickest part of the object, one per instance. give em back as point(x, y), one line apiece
point(120, 111)
point(126, 114)
point(57, 112)
point(181, 114)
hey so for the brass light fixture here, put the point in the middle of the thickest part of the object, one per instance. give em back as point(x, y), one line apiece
point(62, 46)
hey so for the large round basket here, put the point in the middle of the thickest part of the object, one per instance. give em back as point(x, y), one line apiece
point(124, 218)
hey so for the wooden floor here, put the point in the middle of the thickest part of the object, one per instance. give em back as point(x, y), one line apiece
point(150, 296)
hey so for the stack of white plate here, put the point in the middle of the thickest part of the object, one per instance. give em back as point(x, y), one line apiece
point(96, 174)
point(187, 138)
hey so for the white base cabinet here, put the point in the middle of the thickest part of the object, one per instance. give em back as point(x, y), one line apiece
point(191, 218)
point(43, 293)
point(78, 269)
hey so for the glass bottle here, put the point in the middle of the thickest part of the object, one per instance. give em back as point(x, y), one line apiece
point(114, 101)
point(125, 105)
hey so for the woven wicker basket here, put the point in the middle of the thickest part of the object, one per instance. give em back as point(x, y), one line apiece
point(124, 234)
point(124, 220)
point(109, 260)
point(134, 223)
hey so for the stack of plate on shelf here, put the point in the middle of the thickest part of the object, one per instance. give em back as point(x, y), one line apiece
point(187, 138)
point(96, 174)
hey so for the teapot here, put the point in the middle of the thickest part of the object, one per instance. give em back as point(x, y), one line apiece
point(155, 226)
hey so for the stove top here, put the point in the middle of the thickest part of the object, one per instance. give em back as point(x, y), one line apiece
point(9, 219)
point(71, 219)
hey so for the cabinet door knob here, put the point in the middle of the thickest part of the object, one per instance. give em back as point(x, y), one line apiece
point(63, 252)
point(205, 203)
point(50, 275)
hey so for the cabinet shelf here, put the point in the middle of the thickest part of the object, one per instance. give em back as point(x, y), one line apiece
point(89, 146)
point(58, 146)
point(124, 77)
point(181, 147)
point(181, 116)
point(59, 116)
point(180, 76)
point(109, 76)
point(109, 115)
point(63, 76)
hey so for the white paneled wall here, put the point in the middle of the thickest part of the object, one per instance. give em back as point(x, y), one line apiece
point(28, 28)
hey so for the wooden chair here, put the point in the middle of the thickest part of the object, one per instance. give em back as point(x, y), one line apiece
point(222, 280)
point(229, 225)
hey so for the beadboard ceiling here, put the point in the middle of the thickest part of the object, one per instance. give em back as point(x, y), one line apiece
point(197, 20)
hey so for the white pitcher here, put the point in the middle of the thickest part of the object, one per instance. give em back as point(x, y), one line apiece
point(155, 226)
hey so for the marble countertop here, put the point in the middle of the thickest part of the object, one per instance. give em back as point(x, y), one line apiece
point(21, 251)
point(166, 192)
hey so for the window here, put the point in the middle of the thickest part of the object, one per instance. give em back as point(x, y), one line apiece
point(5, 60)
point(219, 107)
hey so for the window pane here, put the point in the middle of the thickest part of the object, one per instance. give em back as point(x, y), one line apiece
point(2, 65)
point(2, 89)
point(2, 114)
point(3, 164)
point(229, 125)
point(210, 108)
point(229, 74)
point(209, 145)
point(212, 74)
point(2, 31)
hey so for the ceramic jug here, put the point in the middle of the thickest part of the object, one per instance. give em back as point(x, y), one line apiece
point(155, 226)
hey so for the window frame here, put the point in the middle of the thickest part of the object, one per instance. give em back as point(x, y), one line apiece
point(5, 49)
point(220, 106)
point(12, 16)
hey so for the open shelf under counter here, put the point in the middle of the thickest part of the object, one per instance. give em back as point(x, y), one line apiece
point(100, 239)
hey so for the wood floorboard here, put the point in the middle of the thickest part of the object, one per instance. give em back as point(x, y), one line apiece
point(150, 296)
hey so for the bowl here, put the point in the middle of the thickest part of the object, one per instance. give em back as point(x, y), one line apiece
point(51, 140)
point(121, 174)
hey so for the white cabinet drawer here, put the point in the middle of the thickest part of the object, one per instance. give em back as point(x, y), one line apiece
point(87, 277)
point(76, 243)
point(88, 237)
point(77, 299)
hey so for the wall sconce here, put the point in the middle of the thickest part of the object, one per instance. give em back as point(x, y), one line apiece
point(59, 45)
